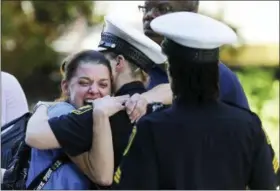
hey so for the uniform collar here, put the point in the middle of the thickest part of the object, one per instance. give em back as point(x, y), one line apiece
point(179, 103)
point(131, 88)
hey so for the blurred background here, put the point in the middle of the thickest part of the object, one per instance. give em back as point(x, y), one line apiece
point(37, 35)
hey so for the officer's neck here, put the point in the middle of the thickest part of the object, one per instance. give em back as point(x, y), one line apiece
point(123, 79)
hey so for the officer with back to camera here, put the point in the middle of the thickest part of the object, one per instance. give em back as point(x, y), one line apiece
point(199, 142)
point(231, 90)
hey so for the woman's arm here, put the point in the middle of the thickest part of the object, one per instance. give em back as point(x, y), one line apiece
point(38, 133)
point(98, 163)
point(161, 93)
point(136, 106)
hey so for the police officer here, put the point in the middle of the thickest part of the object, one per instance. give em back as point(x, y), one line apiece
point(132, 55)
point(230, 88)
point(200, 142)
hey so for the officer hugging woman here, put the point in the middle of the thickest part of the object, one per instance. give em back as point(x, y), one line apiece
point(78, 141)
point(108, 132)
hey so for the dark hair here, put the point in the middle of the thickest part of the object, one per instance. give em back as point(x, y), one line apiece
point(70, 65)
point(192, 81)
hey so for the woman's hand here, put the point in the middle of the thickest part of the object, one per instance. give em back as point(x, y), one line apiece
point(136, 107)
point(109, 105)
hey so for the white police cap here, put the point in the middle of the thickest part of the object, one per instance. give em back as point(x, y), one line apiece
point(194, 30)
point(129, 41)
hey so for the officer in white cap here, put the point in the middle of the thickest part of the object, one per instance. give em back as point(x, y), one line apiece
point(130, 44)
point(131, 55)
point(200, 142)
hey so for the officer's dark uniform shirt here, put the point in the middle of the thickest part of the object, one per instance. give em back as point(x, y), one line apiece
point(74, 131)
point(215, 146)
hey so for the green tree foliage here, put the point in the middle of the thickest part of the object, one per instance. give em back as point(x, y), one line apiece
point(28, 29)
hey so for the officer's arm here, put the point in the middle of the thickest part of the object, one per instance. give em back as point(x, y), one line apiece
point(72, 132)
point(138, 169)
point(161, 93)
point(265, 163)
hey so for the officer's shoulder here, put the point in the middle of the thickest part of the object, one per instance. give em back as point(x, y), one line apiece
point(82, 110)
point(224, 70)
point(158, 116)
point(245, 112)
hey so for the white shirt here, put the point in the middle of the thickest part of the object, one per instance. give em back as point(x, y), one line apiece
point(14, 102)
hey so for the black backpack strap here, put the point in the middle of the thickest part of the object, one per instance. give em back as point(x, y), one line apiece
point(14, 121)
point(40, 181)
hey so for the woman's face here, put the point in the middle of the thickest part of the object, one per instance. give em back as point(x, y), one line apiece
point(91, 81)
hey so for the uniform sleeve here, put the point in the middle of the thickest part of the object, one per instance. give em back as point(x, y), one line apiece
point(231, 88)
point(241, 98)
point(157, 76)
point(265, 163)
point(138, 169)
point(74, 130)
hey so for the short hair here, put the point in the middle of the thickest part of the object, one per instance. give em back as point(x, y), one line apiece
point(136, 70)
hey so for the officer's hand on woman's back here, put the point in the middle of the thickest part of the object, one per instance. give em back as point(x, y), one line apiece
point(110, 105)
point(136, 107)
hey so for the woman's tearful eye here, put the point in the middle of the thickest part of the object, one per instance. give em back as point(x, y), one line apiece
point(84, 83)
point(103, 85)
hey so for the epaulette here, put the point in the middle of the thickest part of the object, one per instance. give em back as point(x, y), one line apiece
point(254, 115)
point(238, 106)
point(82, 109)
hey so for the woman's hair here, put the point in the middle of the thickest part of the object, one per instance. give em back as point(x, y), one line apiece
point(70, 65)
point(137, 72)
point(193, 80)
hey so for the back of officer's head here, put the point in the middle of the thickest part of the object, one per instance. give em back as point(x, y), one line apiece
point(192, 44)
point(130, 52)
point(123, 66)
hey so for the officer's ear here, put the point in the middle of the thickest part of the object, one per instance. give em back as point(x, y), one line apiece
point(120, 66)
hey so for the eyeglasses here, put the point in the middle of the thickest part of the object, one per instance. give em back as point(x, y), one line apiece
point(160, 8)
